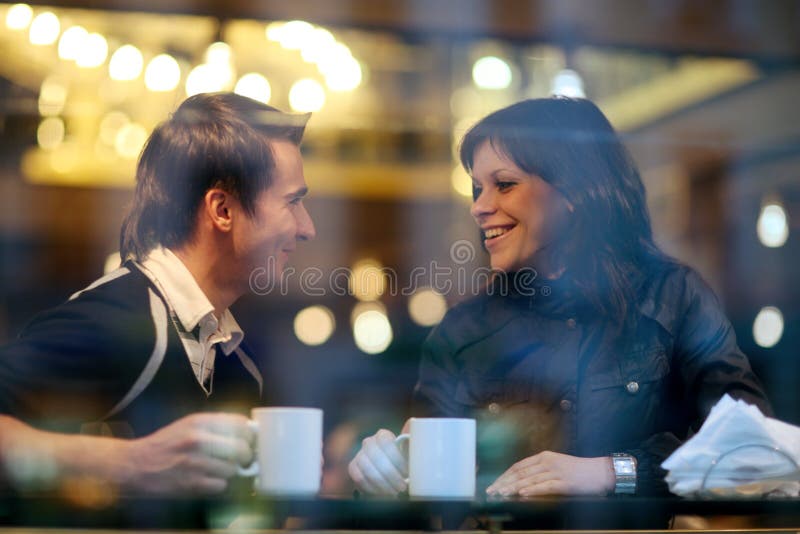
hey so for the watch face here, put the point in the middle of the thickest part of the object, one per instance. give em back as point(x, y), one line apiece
point(624, 466)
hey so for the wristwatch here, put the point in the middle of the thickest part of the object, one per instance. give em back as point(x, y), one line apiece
point(624, 473)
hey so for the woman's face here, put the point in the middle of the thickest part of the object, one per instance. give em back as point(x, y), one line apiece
point(519, 213)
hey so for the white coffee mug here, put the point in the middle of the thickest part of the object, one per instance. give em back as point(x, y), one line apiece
point(441, 457)
point(288, 451)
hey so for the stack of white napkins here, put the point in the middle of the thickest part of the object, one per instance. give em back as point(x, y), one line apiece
point(737, 452)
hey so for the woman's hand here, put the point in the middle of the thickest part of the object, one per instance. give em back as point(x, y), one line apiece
point(552, 473)
point(380, 467)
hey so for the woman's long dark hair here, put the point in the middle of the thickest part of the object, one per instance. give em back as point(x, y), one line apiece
point(570, 144)
point(212, 140)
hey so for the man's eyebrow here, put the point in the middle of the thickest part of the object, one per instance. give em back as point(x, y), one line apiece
point(300, 193)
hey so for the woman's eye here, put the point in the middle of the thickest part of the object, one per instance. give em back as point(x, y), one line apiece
point(502, 186)
point(476, 192)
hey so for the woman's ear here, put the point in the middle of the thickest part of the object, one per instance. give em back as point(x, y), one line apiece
point(218, 207)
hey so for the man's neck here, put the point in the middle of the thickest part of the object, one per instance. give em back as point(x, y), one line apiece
point(203, 267)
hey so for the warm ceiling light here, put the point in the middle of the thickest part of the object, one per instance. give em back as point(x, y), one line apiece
point(130, 140)
point(306, 95)
point(19, 16)
point(314, 325)
point(773, 225)
point(372, 330)
point(491, 72)
point(295, 33)
point(93, 52)
point(126, 63)
point(202, 79)
point(568, 83)
point(71, 42)
point(427, 307)
point(254, 85)
point(317, 42)
point(44, 29)
point(345, 77)
point(768, 327)
point(52, 96)
point(50, 133)
point(461, 182)
point(162, 73)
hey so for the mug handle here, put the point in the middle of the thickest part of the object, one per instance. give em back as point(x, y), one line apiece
point(252, 469)
point(399, 440)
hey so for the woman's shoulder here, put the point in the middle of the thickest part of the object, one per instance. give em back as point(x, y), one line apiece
point(475, 318)
point(669, 289)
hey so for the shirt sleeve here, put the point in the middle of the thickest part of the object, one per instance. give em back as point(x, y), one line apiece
point(68, 367)
point(710, 364)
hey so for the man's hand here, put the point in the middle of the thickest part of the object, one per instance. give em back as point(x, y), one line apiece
point(551, 473)
point(194, 455)
point(380, 467)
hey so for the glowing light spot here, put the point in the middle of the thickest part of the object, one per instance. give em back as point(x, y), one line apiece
point(19, 16)
point(490, 72)
point(254, 85)
point(162, 73)
point(306, 95)
point(52, 96)
point(427, 307)
point(295, 33)
point(110, 126)
point(93, 52)
point(126, 63)
point(461, 182)
point(314, 325)
point(367, 280)
point(71, 42)
point(130, 140)
point(50, 133)
point(768, 327)
point(372, 330)
point(568, 83)
point(773, 226)
point(44, 29)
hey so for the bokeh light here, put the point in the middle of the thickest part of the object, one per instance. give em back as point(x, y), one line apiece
point(773, 225)
point(568, 83)
point(52, 96)
point(162, 73)
point(71, 42)
point(367, 280)
point(768, 327)
point(427, 307)
point(254, 85)
point(372, 330)
point(491, 72)
point(50, 133)
point(126, 63)
point(19, 17)
point(44, 29)
point(306, 95)
point(93, 51)
point(130, 140)
point(314, 325)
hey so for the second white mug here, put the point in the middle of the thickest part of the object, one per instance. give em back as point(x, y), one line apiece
point(441, 457)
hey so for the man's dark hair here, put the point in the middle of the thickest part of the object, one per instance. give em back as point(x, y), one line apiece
point(211, 140)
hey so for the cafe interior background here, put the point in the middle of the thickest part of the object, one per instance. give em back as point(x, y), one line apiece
point(704, 93)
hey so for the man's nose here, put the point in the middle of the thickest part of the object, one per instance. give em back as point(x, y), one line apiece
point(305, 226)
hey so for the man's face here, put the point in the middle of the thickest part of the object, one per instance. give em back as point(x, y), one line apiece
point(266, 239)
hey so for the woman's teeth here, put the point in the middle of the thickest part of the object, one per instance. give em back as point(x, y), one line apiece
point(495, 232)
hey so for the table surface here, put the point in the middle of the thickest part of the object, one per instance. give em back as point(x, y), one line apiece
point(348, 513)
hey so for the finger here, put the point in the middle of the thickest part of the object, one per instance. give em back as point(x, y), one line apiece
point(205, 485)
point(523, 484)
point(360, 480)
point(229, 449)
point(386, 441)
point(547, 487)
point(381, 462)
point(213, 467)
point(229, 424)
point(516, 472)
point(374, 476)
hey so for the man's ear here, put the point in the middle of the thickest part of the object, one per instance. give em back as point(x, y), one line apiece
point(218, 206)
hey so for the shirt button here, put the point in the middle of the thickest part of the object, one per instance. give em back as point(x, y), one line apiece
point(571, 323)
point(565, 405)
point(632, 387)
point(494, 408)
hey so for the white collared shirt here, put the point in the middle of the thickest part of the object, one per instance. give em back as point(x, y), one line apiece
point(190, 306)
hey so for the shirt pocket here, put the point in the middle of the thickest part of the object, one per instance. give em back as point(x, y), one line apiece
point(477, 391)
point(635, 371)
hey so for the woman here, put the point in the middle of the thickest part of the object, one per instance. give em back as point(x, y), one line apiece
point(587, 376)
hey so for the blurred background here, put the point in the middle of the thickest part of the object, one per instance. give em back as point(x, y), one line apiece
point(705, 94)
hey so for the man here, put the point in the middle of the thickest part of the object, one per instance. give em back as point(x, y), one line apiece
point(150, 352)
